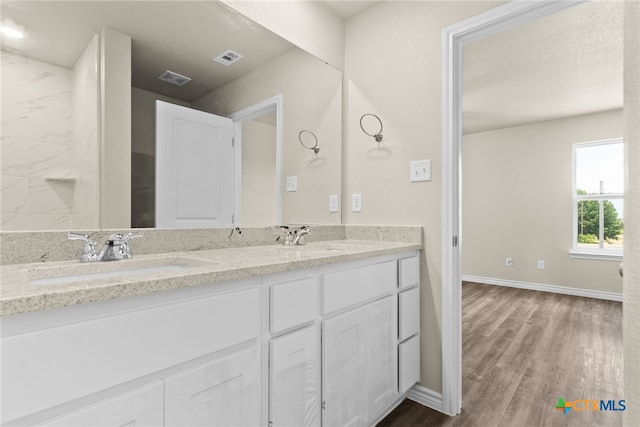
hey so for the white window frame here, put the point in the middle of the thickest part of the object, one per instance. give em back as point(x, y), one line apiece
point(601, 252)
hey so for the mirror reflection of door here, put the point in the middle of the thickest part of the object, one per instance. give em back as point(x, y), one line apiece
point(194, 168)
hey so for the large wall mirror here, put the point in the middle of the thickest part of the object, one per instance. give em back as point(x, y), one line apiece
point(53, 175)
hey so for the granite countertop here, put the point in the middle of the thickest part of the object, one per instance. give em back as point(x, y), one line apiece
point(42, 286)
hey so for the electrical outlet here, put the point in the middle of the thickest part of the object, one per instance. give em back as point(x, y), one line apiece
point(420, 170)
point(292, 183)
point(356, 203)
point(508, 262)
point(333, 203)
point(540, 264)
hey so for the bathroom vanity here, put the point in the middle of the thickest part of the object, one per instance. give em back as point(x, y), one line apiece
point(322, 334)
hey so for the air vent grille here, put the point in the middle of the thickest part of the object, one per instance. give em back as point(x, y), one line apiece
point(228, 57)
point(174, 78)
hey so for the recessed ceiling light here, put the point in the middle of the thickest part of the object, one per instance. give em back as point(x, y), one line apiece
point(11, 32)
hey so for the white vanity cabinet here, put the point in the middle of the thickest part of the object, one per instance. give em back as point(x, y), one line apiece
point(294, 392)
point(221, 393)
point(335, 345)
point(294, 351)
point(359, 347)
point(141, 407)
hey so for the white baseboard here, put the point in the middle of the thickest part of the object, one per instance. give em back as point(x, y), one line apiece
point(426, 397)
point(610, 296)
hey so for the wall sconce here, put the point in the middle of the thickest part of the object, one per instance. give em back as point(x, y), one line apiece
point(378, 135)
point(309, 146)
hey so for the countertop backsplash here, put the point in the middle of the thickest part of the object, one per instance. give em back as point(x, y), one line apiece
point(46, 246)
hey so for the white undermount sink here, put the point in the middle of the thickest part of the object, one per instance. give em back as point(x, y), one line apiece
point(71, 273)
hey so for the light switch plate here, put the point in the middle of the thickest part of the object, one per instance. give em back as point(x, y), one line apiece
point(292, 183)
point(333, 203)
point(420, 170)
point(356, 202)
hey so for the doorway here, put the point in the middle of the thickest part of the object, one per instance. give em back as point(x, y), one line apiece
point(455, 38)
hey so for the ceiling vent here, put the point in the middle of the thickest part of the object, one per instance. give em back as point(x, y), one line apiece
point(228, 57)
point(174, 78)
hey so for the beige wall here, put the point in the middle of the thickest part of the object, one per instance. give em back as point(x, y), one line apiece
point(307, 24)
point(115, 145)
point(258, 174)
point(517, 203)
point(86, 138)
point(631, 287)
point(312, 97)
point(393, 69)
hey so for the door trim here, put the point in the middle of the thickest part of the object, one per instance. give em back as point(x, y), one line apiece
point(268, 106)
point(454, 37)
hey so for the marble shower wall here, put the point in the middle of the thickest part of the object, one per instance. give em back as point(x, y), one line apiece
point(49, 143)
point(36, 145)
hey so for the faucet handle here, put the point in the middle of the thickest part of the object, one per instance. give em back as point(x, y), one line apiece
point(129, 236)
point(89, 251)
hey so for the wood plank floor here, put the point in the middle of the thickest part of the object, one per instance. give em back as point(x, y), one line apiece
point(521, 351)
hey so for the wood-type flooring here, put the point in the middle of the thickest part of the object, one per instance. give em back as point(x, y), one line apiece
point(522, 350)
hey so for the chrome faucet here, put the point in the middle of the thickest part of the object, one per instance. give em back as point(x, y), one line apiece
point(299, 235)
point(116, 247)
point(296, 237)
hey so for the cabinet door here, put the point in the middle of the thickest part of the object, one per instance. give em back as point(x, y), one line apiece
point(382, 356)
point(222, 393)
point(294, 377)
point(141, 407)
point(344, 370)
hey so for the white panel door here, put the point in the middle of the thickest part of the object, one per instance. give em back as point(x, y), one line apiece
point(294, 399)
point(140, 407)
point(222, 393)
point(194, 168)
point(382, 355)
point(344, 379)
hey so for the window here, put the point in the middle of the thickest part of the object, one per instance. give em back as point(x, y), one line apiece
point(598, 189)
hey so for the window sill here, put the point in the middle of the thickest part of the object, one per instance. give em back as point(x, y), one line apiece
point(596, 255)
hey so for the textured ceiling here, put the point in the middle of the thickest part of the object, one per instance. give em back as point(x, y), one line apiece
point(566, 64)
point(58, 32)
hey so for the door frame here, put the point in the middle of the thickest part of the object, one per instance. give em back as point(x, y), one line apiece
point(268, 106)
point(454, 38)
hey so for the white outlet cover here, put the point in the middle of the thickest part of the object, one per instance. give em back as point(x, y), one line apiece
point(292, 183)
point(333, 203)
point(356, 202)
point(420, 170)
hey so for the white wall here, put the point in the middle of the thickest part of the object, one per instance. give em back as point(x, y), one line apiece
point(307, 24)
point(312, 100)
point(393, 69)
point(517, 202)
point(631, 287)
point(36, 143)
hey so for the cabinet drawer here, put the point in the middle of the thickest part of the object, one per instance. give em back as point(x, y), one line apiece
point(293, 303)
point(143, 406)
point(409, 358)
point(409, 272)
point(409, 309)
point(94, 355)
point(344, 288)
